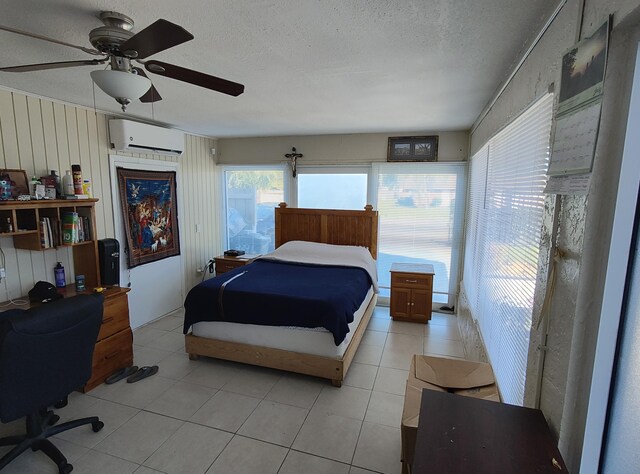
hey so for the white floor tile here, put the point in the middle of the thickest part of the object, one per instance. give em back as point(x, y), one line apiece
point(146, 470)
point(297, 390)
point(391, 380)
point(361, 375)
point(212, 373)
point(274, 422)
point(190, 450)
point(168, 323)
point(445, 347)
point(345, 401)
point(226, 411)
point(405, 327)
point(38, 462)
point(181, 400)
point(248, 456)
point(367, 354)
point(171, 341)
point(385, 409)
point(146, 334)
point(374, 338)
point(178, 365)
point(113, 415)
point(443, 331)
point(138, 394)
point(253, 381)
point(329, 436)
point(94, 461)
point(297, 463)
point(139, 437)
point(147, 356)
point(378, 449)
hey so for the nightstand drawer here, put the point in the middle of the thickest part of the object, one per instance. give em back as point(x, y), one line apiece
point(225, 266)
point(408, 280)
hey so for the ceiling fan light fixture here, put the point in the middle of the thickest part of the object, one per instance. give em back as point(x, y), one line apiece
point(121, 85)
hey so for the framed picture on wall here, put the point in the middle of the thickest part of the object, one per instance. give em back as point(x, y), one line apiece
point(413, 148)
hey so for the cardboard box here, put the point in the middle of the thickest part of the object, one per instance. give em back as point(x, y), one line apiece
point(462, 377)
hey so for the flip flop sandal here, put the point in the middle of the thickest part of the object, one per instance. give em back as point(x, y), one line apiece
point(120, 374)
point(143, 373)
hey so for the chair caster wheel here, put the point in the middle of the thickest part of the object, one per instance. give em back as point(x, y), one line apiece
point(97, 426)
point(61, 403)
point(53, 420)
point(65, 468)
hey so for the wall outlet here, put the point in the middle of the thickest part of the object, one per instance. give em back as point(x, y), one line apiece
point(3, 274)
point(198, 270)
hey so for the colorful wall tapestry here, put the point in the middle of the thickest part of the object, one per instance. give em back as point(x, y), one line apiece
point(150, 211)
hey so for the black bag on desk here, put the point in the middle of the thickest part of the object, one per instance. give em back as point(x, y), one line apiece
point(43, 292)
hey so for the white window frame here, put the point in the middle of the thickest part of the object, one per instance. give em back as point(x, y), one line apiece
point(223, 187)
point(332, 169)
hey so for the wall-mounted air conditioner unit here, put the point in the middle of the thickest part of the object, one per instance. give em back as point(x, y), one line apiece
point(136, 137)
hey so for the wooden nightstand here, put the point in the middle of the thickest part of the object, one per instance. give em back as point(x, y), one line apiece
point(411, 292)
point(224, 264)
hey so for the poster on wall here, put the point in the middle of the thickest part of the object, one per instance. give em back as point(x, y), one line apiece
point(577, 121)
point(150, 211)
point(583, 68)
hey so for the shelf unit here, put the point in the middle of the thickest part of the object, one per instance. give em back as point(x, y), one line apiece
point(25, 217)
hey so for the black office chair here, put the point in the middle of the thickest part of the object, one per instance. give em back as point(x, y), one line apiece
point(45, 354)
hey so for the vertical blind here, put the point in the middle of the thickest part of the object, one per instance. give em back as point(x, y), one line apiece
point(504, 219)
point(421, 208)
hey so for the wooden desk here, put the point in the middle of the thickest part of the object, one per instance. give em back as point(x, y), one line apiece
point(114, 346)
point(463, 434)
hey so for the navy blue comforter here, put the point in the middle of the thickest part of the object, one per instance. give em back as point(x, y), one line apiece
point(274, 293)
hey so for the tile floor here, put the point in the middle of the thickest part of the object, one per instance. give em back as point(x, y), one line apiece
point(210, 416)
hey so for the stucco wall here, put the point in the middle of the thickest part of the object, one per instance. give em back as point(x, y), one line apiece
point(583, 224)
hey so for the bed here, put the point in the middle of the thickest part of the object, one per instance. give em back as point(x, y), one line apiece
point(308, 350)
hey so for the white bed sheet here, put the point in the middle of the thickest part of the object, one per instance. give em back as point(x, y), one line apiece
point(315, 341)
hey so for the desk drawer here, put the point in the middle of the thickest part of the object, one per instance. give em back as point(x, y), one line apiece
point(109, 355)
point(115, 317)
point(409, 280)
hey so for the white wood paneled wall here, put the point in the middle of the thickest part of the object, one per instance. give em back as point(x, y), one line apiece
point(38, 135)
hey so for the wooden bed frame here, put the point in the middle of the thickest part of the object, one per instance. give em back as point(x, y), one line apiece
point(338, 227)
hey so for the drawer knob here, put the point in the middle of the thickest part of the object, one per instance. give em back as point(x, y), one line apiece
point(411, 281)
point(112, 355)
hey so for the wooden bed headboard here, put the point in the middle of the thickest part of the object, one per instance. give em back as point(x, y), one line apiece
point(328, 226)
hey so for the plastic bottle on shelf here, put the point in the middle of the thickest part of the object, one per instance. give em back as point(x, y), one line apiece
point(67, 184)
point(77, 179)
point(86, 187)
point(58, 270)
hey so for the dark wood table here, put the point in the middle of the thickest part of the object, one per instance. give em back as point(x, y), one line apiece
point(463, 434)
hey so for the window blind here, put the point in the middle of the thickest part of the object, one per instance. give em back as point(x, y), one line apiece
point(504, 220)
point(421, 209)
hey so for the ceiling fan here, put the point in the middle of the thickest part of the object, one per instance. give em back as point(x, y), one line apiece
point(116, 44)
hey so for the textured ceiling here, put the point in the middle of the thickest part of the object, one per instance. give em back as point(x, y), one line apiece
point(309, 66)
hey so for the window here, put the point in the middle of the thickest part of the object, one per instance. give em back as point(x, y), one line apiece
point(504, 219)
point(421, 210)
point(332, 188)
point(251, 195)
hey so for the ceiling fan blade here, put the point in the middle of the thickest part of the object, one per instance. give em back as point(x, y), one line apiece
point(152, 94)
point(154, 38)
point(194, 77)
point(50, 40)
point(58, 65)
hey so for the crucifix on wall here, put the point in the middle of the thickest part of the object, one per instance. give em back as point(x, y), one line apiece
point(293, 156)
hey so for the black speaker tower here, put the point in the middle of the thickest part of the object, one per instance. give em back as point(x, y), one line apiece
point(109, 253)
